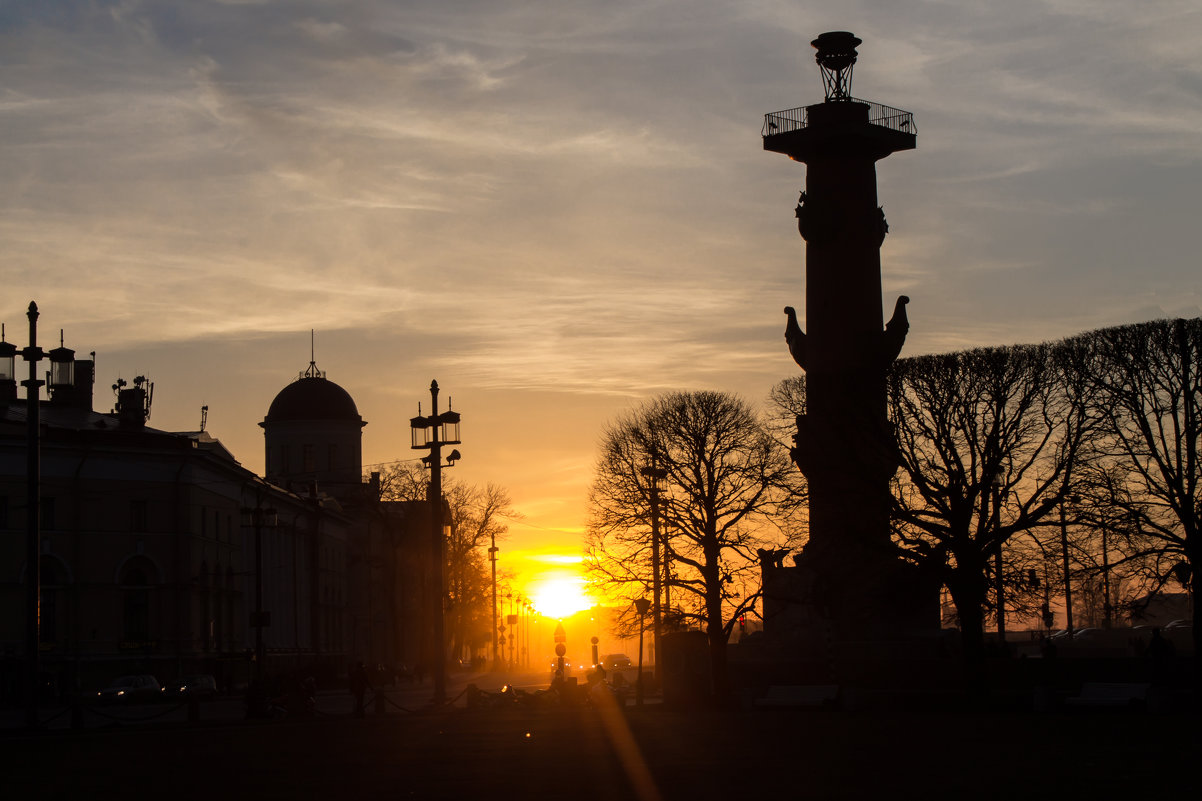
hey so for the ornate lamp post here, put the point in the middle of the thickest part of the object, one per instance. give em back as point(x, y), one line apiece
point(517, 632)
point(511, 622)
point(1000, 584)
point(431, 433)
point(655, 476)
point(529, 622)
point(1068, 586)
point(641, 605)
point(492, 557)
point(33, 505)
point(259, 517)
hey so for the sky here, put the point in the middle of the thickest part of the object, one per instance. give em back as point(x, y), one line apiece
point(560, 208)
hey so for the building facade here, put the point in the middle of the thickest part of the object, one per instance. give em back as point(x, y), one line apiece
point(159, 553)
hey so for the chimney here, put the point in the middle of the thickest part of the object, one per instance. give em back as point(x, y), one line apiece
point(85, 379)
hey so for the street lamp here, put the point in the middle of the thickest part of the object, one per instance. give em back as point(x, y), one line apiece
point(655, 476)
point(259, 517)
point(1106, 605)
point(529, 623)
point(996, 486)
point(1068, 587)
point(33, 505)
point(521, 606)
point(509, 622)
point(492, 557)
point(641, 605)
point(431, 433)
point(511, 619)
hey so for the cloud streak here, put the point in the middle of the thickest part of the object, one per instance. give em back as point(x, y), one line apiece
point(569, 200)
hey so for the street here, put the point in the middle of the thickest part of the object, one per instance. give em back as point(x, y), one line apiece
point(533, 748)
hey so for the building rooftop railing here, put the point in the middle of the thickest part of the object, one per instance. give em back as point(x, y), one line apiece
point(795, 119)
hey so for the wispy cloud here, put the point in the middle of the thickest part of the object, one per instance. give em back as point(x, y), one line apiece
point(569, 200)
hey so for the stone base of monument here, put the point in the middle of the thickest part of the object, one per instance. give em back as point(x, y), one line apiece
point(867, 627)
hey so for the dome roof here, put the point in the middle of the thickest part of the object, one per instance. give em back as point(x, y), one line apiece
point(313, 398)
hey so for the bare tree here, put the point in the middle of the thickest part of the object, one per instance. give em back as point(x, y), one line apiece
point(724, 478)
point(1149, 385)
point(478, 517)
point(988, 440)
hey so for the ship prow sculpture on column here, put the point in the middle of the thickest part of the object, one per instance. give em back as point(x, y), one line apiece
point(849, 580)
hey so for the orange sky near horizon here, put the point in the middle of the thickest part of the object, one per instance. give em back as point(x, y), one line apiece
point(558, 211)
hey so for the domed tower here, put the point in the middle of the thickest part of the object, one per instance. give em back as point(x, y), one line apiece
point(313, 433)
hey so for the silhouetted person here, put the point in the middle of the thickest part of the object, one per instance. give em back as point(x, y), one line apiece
point(1159, 653)
point(358, 683)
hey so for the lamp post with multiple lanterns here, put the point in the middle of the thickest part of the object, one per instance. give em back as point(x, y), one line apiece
point(259, 517)
point(492, 557)
point(431, 433)
point(33, 575)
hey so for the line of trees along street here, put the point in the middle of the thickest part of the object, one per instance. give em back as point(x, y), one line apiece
point(1003, 451)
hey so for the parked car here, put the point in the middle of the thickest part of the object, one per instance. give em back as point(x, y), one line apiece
point(199, 686)
point(130, 689)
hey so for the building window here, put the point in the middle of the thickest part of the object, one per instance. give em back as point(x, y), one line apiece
point(285, 458)
point(137, 516)
point(53, 579)
point(333, 456)
point(135, 601)
point(47, 521)
point(309, 458)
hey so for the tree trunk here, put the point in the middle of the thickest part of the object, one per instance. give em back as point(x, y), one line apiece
point(969, 594)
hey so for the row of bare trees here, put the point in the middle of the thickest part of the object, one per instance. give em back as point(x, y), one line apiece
point(1024, 465)
point(1070, 465)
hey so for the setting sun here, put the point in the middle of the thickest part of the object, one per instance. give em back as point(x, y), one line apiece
point(559, 594)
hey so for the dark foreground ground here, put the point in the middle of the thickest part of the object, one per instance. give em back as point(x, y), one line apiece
point(520, 752)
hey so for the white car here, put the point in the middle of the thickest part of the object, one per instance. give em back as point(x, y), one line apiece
point(130, 689)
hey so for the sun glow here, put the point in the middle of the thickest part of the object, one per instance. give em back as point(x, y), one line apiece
point(559, 594)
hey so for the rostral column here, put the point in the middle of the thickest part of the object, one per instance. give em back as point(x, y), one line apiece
point(844, 444)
